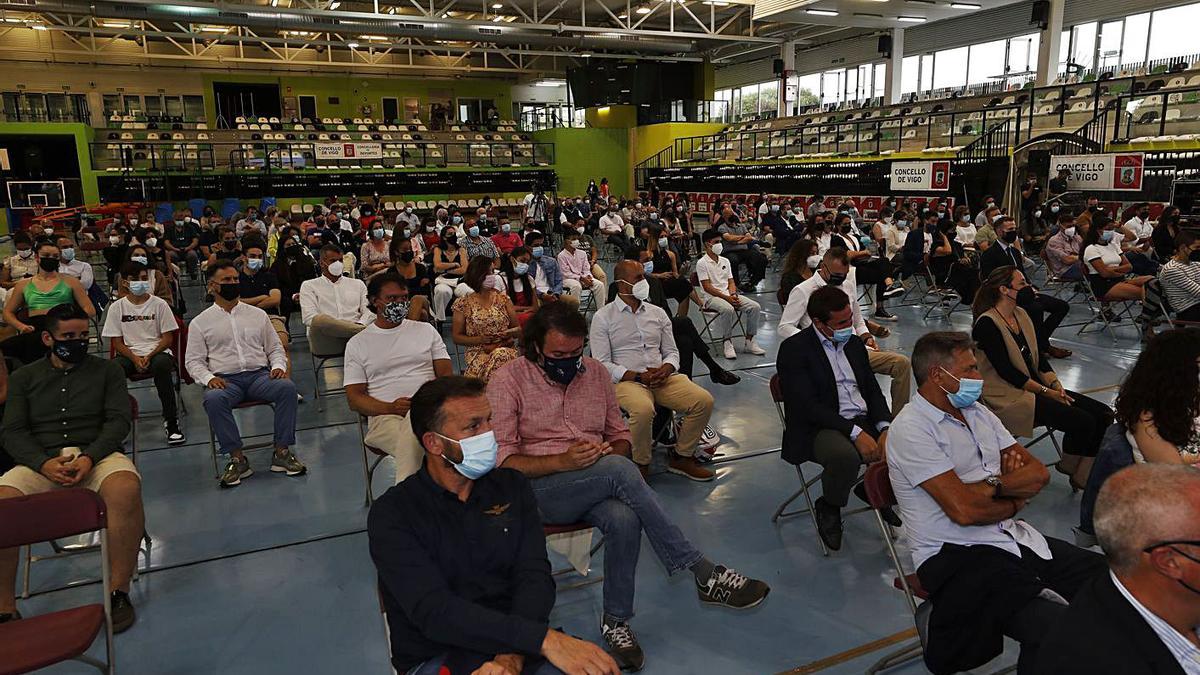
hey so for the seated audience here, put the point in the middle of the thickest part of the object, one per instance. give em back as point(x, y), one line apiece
point(576, 270)
point(634, 340)
point(449, 265)
point(478, 244)
point(519, 275)
point(21, 265)
point(1019, 384)
point(799, 265)
point(181, 239)
point(1108, 266)
point(1162, 240)
point(461, 594)
point(949, 264)
point(740, 248)
point(1046, 311)
point(234, 352)
point(660, 263)
point(292, 267)
point(73, 267)
point(719, 292)
point(1063, 249)
point(548, 278)
point(557, 421)
point(333, 307)
point(36, 296)
point(375, 253)
point(65, 419)
point(410, 267)
point(259, 287)
point(871, 270)
point(506, 240)
point(142, 329)
point(834, 271)
point(964, 229)
point(1135, 240)
point(485, 321)
point(252, 222)
point(1141, 617)
point(1180, 277)
point(1158, 406)
point(385, 365)
point(960, 480)
point(836, 414)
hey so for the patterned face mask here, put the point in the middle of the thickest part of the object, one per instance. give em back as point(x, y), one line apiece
point(396, 312)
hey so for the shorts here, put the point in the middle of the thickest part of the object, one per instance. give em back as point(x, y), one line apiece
point(29, 482)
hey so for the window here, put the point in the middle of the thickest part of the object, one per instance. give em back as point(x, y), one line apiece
point(1023, 55)
point(768, 97)
point(1110, 44)
point(950, 68)
point(748, 106)
point(1083, 45)
point(193, 107)
point(1172, 32)
point(112, 104)
point(880, 79)
point(987, 62)
point(926, 72)
point(810, 89)
point(1134, 43)
point(154, 105)
point(910, 73)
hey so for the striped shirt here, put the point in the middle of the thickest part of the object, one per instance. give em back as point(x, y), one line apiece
point(1186, 653)
point(1181, 283)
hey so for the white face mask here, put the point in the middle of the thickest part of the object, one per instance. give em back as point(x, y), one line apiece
point(336, 268)
point(814, 261)
point(641, 290)
point(493, 282)
point(717, 248)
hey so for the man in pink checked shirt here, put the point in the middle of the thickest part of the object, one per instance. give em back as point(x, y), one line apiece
point(576, 269)
point(556, 420)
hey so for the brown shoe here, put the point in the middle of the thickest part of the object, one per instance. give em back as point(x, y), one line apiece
point(1057, 352)
point(688, 467)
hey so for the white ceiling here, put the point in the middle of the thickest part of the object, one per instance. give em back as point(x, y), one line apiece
point(867, 13)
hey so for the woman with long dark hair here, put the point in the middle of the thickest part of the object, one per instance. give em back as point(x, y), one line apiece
point(1018, 383)
point(1159, 402)
point(797, 266)
point(485, 321)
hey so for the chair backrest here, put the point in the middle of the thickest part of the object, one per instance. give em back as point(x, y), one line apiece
point(50, 515)
point(777, 397)
point(879, 486)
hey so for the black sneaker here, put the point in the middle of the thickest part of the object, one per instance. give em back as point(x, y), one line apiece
point(829, 524)
point(895, 289)
point(729, 588)
point(174, 433)
point(123, 615)
point(883, 315)
point(623, 645)
point(14, 615)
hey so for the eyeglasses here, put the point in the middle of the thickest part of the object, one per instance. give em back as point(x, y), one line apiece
point(1172, 544)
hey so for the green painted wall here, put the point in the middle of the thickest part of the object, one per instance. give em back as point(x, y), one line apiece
point(647, 141)
point(83, 137)
point(612, 117)
point(582, 154)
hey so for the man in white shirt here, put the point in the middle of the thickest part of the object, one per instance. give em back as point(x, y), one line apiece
point(234, 352)
point(576, 268)
point(533, 209)
point(385, 365)
point(634, 340)
point(142, 329)
point(251, 221)
point(613, 226)
point(1141, 618)
point(406, 218)
point(718, 292)
point(333, 307)
point(983, 217)
point(835, 270)
point(960, 480)
point(1136, 245)
point(69, 265)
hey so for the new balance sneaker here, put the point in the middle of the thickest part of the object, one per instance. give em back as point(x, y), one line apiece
point(709, 440)
point(235, 471)
point(622, 645)
point(753, 348)
point(730, 352)
point(287, 463)
point(123, 615)
point(729, 588)
point(174, 433)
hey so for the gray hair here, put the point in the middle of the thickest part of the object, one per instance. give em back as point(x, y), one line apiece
point(937, 349)
point(1143, 505)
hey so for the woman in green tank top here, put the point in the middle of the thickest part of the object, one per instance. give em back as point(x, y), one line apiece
point(37, 295)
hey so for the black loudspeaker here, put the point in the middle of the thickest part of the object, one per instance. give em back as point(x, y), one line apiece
point(1041, 14)
point(885, 46)
point(777, 67)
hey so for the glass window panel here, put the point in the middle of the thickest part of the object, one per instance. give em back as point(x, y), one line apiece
point(1083, 45)
point(133, 104)
point(950, 68)
point(880, 79)
point(1064, 50)
point(1133, 43)
point(153, 105)
point(1110, 44)
point(927, 65)
point(987, 62)
point(749, 107)
point(831, 86)
point(1022, 54)
point(174, 106)
point(768, 97)
point(193, 107)
point(851, 84)
point(810, 90)
point(112, 104)
point(1173, 31)
point(910, 69)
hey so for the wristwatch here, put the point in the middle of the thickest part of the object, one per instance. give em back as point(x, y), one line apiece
point(997, 486)
point(638, 378)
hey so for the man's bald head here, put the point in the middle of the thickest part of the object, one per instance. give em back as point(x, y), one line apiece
point(629, 271)
point(1144, 505)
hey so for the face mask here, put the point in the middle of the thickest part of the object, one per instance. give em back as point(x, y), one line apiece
point(479, 455)
point(406, 256)
point(653, 216)
point(408, 210)
point(814, 261)
point(506, 228)
point(429, 228)
point(26, 253)
point(451, 239)
point(901, 224)
point(377, 233)
point(562, 371)
point(864, 240)
point(139, 259)
point(139, 287)
point(521, 269)
point(254, 264)
point(68, 254)
point(965, 219)
point(662, 242)
point(1010, 236)
point(71, 351)
point(473, 231)
point(842, 335)
point(48, 264)
point(1054, 209)
point(230, 244)
point(648, 267)
point(774, 208)
point(493, 282)
point(229, 291)
point(47, 231)
point(1194, 256)
point(989, 204)
point(1106, 236)
point(1037, 214)
point(396, 312)
point(133, 221)
point(457, 220)
point(579, 230)
point(336, 268)
point(968, 392)
point(1069, 231)
point(537, 251)
point(717, 248)
point(835, 279)
point(1025, 295)
point(114, 240)
point(641, 290)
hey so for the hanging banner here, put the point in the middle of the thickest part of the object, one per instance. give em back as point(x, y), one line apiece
point(926, 176)
point(1113, 171)
point(349, 150)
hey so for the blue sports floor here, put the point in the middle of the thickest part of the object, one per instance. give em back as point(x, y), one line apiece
point(274, 576)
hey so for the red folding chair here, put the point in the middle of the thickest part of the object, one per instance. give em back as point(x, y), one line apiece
point(44, 640)
point(549, 530)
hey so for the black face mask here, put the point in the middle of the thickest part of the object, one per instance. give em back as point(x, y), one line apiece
point(230, 244)
point(1194, 256)
point(451, 239)
point(845, 228)
point(562, 371)
point(1010, 236)
point(71, 351)
point(1025, 295)
point(835, 279)
point(48, 264)
point(406, 256)
point(229, 291)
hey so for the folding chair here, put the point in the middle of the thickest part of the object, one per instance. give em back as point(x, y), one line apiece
point(319, 362)
point(711, 315)
point(937, 297)
point(369, 466)
point(550, 530)
point(212, 437)
point(1106, 318)
point(180, 340)
point(46, 639)
point(805, 483)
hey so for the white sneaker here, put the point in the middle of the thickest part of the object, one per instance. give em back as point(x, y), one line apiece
point(752, 348)
point(730, 352)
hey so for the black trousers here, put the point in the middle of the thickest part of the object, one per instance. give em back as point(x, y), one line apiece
point(689, 343)
point(1190, 314)
point(676, 288)
point(26, 347)
point(1046, 312)
point(874, 272)
point(162, 366)
point(1082, 423)
point(754, 261)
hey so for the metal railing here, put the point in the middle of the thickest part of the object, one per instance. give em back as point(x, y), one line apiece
point(995, 142)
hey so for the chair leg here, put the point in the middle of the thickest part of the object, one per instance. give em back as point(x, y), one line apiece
point(28, 549)
point(781, 512)
point(905, 654)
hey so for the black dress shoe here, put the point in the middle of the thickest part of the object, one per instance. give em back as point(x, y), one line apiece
point(723, 376)
point(829, 524)
point(889, 516)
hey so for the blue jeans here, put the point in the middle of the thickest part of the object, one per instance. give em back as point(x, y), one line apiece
point(612, 496)
point(434, 666)
point(253, 385)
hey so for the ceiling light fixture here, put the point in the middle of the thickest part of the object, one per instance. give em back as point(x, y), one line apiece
point(335, 4)
point(911, 19)
point(923, 2)
point(821, 12)
point(498, 5)
point(38, 26)
point(965, 5)
point(550, 83)
point(116, 24)
point(643, 10)
point(867, 15)
point(352, 45)
point(214, 29)
point(716, 3)
point(622, 16)
point(586, 55)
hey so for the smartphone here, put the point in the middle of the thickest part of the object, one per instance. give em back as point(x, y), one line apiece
point(70, 453)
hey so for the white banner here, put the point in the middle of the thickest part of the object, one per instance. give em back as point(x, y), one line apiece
point(1114, 171)
point(349, 150)
point(925, 176)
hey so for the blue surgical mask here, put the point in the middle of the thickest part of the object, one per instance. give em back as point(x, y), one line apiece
point(1106, 236)
point(662, 242)
point(254, 264)
point(521, 268)
point(562, 371)
point(139, 287)
point(506, 228)
point(537, 251)
point(969, 391)
point(842, 335)
point(648, 267)
point(457, 220)
point(67, 254)
point(473, 231)
point(479, 454)
point(377, 233)
point(139, 259)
